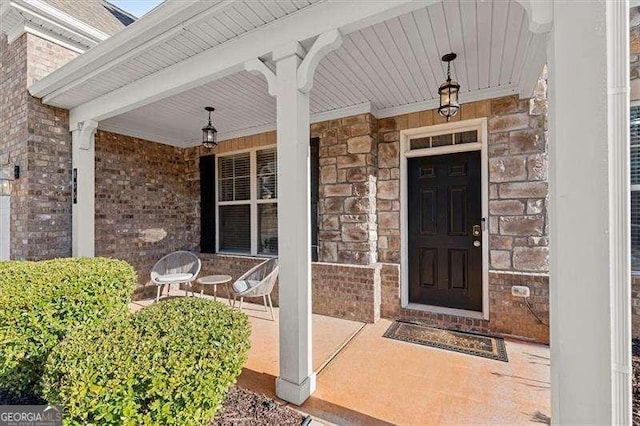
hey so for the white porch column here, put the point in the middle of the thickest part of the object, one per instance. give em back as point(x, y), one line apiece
point(589, 213)
point(83, 191)
point(297, 380)
point(291, 84)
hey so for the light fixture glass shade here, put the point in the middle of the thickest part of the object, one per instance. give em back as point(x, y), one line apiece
point(5, 187)
point(449, 105)
point(448, 91)
point(209, 133)
point(209, 136)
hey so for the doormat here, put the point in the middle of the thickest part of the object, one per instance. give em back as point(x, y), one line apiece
point(457, 341)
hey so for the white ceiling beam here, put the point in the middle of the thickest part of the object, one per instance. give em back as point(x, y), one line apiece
point(533, 64)
point(231, 56)
point(59, 19)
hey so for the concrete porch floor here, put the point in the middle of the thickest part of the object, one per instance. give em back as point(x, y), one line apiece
point(364, 378)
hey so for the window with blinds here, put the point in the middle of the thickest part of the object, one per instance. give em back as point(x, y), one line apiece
point(247, 202)
point(267, 181)
point(635, 188)
point(235, 177)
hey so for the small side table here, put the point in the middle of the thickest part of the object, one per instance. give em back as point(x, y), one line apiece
point(215, 281)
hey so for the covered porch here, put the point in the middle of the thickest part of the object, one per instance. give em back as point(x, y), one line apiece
point(275, 70)
point(363, 377)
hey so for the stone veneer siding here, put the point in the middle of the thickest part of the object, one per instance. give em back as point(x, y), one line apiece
point(517, 225)
point(517, 174)
point(359, 213)
point(347, 219)
point(35, 137)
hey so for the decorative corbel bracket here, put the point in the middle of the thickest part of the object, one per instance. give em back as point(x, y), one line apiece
point(86, 132)
point(539, 14)
point(324, 44)
point(256, 66)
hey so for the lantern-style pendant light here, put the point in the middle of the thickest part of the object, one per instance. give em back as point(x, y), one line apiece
point(448, 91)
point(209, 133)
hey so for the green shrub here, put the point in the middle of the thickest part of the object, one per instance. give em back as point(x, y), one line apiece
point(40, 302)
point(170, 363)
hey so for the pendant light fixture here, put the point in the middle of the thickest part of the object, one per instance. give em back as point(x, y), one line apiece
point(448, 91)
point(209, 133)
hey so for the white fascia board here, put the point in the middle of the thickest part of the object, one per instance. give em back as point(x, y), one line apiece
point(154, 24)
point(230, 57)
point(19, 17)
point(5, 7)
point(50, 14)
point(45, 34)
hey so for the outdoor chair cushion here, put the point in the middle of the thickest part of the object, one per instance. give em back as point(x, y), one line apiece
point(173, 278)
point(244, 285)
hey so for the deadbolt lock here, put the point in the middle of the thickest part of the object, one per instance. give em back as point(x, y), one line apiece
point(477, 230)
point(476, 243)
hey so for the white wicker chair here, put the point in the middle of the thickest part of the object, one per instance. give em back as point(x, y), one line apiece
point(257, 282)
point(180, 267)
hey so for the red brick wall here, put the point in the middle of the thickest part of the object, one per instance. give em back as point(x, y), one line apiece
point(145, 205)
point(347, 291)
point(341, 291)
point(35, 137)
point(44, 57)
point(13, 134)
point(508, 315)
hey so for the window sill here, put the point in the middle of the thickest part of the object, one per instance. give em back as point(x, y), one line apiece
point(236, 254)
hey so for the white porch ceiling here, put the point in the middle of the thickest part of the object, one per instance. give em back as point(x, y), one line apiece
point(389, 68)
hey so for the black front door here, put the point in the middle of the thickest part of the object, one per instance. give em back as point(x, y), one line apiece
point(445, 252)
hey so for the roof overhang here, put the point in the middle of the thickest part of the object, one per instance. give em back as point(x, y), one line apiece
point(169, 21)
point(45, 21)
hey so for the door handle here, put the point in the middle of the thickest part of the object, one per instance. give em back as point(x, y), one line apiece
point(477, 230)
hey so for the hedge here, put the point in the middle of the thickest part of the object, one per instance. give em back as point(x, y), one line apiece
point(170, 363)
point(41, 302)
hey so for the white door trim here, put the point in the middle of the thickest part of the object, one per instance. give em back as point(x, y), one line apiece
point(479, 124)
